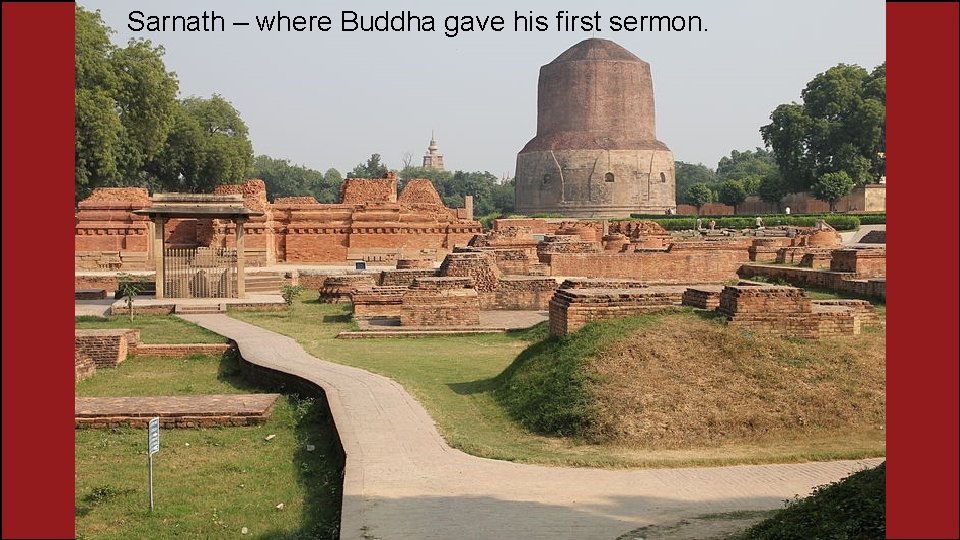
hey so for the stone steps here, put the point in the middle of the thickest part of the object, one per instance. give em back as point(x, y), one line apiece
point(263, 283)
point(198, 309)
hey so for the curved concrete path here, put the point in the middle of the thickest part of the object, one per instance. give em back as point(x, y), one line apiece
point(403, 481)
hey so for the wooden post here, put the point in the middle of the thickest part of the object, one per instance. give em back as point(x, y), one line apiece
point(158, 253)
point(241, 286)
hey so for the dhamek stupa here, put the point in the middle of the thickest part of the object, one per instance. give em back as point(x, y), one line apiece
point(596, 152)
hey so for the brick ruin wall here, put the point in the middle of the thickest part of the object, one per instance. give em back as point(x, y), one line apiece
point(679, 263)
point(784, 311)
point(844, 282)
point(434, 303)
point(107, 348)
point(178, 350)
point(404, 277)
point(519, 293)
point(337, 289)
point(377, 302)
point(788, 312)
point(84, 366)
point(702, 297)
point(534, 225)
point(107, 235)
point(369, 224)
point(864, 263)
point(571, 309)
point(765, 250)
point(479, 266)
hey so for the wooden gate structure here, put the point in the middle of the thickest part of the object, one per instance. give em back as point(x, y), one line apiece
point(200, 272)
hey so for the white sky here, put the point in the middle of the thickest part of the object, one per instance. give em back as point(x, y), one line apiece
point(330, 99)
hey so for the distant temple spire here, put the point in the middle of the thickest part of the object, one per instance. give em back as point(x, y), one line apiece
point(433, 159)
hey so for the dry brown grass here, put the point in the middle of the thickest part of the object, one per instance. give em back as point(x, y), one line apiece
point(687, 382)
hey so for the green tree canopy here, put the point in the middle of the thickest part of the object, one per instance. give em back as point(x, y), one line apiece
point(284, 179)
point(773, 189)
point(125, 99)
point(739, 165)
point(688, 174)
point(329, 191)
point(373, 168)
point(840, 126)
point(208, 146)
point(698, 195)
point(731, 192)
point(831, 187)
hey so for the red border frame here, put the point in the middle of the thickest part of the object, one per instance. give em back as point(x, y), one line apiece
point(923, 167)
point(922, 409)
point(38, 170)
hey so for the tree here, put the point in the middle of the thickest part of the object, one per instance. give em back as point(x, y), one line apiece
point(688, 174)
point(840, 126)
point(124, 103)
point(831, 187)
point(773, 189)
point(504, 197)
point(731, 192)
point(329, 190)
point(286, 180)
point(440, 179)
point(129, 286)
point(373, 168)
point(209, 145)
point(750, 163)
point(698, 195)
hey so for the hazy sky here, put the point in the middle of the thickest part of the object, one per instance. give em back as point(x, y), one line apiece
point(330, 99)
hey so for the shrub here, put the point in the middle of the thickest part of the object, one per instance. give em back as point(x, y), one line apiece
point(853, 508)
point(290, 292)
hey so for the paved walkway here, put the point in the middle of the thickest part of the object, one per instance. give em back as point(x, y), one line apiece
point(403, 481)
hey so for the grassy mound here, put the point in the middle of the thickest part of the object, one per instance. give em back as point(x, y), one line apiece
point(853, 508)
point(681, 380)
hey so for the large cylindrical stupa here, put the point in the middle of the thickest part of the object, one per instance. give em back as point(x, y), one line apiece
point(596, 152)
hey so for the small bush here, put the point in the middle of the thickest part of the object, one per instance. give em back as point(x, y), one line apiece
point(853, 508)
point(290, 293)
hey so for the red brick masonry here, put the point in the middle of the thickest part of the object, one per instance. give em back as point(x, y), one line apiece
point(217, 410)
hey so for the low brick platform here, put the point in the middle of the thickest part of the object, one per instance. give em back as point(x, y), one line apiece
point(179, 350)
point(571, 309)
point(215, 410)
point(89, 294)
point(703, 296)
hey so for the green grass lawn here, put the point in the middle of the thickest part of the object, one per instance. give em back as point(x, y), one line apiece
point(154, 328)
point(208, 483)
point(453, 377)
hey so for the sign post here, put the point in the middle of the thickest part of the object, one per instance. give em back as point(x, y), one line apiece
point(153, 446)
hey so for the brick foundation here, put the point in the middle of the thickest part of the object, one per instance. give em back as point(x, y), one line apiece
point(179, 350)
point(864, 263)
point(787, 312)
point(337, 289)
point(405, 277)
point(807, 277)
point(519, 293)
point(681, 262)
point(83, 366)
point(106, 348)
point(571, 309)
point(702, 297)
point(440, 307)
point(377, 302)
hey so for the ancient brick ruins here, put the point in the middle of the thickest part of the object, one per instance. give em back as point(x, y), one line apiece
point(371, 223)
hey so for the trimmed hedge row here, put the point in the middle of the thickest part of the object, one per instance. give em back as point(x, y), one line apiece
point(872, 219)
point(841, 222)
